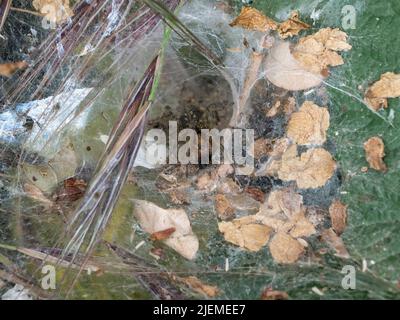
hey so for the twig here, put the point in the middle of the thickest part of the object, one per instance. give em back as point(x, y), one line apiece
point(27, 11)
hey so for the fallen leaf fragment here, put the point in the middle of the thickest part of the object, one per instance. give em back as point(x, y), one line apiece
point(72, 190)
point(252, 19)
point(338, 214)
point(246, 233)
point(312, 169)
point(285, 249)
point(8, 69)
point(374, 153)
point(199, 287)
point(292, 26)
point(269, 294)
point(163, 234)
point(317, 52)
point(55, 11)
point(282, 200)
point(335, 242)
point(223, 207)
point(302, 227)
point(153, 219)
point(388, 86)
point(308, 126)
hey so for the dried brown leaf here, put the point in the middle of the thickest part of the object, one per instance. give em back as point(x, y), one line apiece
point(255, 193)
point(252, 19)
point(311, 170)
point(308, 126)
point(374, 153)
point(338, 214)
point(245, 233)
point(292, 26)
point(316, 52)
point(285, 249)
point(388, 86)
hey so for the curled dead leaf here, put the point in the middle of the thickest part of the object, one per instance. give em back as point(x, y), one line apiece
point(317, 52)
point(311, 170)
point(72, 190)
point(292, 26)
point(388, 86)
point(308, 126)
point(338, 214)
point(154, 219)
point(252, 19)
point(374, 153)
point(285, 249)
point(246, 233)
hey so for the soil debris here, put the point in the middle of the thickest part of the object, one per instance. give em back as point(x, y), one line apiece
point(388, 86)
point(308, 126)
point(374, 153)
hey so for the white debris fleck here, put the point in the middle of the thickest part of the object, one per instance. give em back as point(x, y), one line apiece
point(140, 244)
point(226, 265)
point(317, 291)
point(18, 292)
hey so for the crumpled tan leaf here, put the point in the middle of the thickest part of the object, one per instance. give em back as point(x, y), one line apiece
point(153, 219)
point(388, 86)
point(282, 200)
point(285, 249)
point(246, 233)
point(223, 208)
point(252, 19)
point(374, 153)
point(308, 126)
point(292, 26)
point(312, 169)
point(56, 11)
point(317, 52)
point(338, 214)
